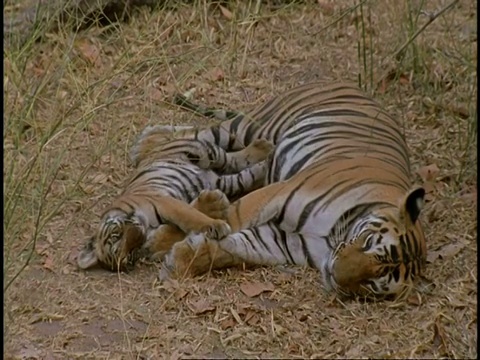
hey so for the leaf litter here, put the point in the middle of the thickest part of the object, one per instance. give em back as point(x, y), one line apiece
point(404, 333)
point(252, 289)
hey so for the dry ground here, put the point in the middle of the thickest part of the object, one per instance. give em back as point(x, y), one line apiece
point(74, 103)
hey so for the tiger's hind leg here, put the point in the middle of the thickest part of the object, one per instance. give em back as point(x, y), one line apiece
point(157, 141)
point(266, 244)
point(154, 137)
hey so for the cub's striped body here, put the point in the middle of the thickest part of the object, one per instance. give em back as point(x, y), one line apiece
point(170, 175)
point(338, 194)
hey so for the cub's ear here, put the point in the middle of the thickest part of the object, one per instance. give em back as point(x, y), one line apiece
point(87, 258)
point(412, 204)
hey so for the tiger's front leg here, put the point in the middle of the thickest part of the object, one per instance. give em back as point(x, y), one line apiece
point(253, 221)
point(266, 244)
point(258, 210)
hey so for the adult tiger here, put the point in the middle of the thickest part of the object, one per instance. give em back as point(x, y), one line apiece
point(172, 173)
point(338, 194)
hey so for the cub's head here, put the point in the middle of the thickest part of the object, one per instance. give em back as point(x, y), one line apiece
point(115, 244)
point(381, 253)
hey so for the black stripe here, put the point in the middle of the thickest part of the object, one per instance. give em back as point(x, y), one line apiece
point(283, 238)
point(252, 242)
point(157, 214)
point(309, 207)
point(215, 131)
point(259, 239)
point(310, 261)
point(292, 194)
point(394, 254)
point(250, 132)
point(233, 130)
point(407, 271)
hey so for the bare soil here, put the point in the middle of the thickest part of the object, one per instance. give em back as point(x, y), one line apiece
point(94, 91)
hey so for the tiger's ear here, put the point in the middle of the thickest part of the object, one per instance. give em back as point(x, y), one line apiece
point(412, 204)
point(87, 258)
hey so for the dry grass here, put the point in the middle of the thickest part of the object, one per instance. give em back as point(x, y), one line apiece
point(74, 103)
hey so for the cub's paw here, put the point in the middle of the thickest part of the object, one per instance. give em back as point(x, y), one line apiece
point(260, 149)
point(217, 230)
point(213, 203)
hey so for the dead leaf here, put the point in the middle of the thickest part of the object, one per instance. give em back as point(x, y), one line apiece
point(445, 251)
point(326, 7)
point(156, 94)
point(48, 263)
point(430, 190)
point(226, 13)
point(387, 79)
point(30, 352)
point(72, 257)
point(470, 194)
point(89, 52)
point(201, 306)
point(255, 288)
point(428, 173)
point(168, 90)
point(461, 110)
point(429, 187)
point(382, 86)
point(217, 74)
point(176, 355)
point(99, 179)
point(403, 79)
point(439, 336)
point(241, 310)
point(170, 285)
point(41, 248)
point(252, 318)
point(180, 294)
point(228, 323)
point(415, 300)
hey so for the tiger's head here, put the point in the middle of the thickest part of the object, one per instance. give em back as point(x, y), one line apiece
point(115, 244)
point(381, 253)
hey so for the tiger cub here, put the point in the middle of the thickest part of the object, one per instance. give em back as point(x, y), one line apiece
point(174, 184)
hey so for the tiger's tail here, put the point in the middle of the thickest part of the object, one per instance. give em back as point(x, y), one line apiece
point(219, 114)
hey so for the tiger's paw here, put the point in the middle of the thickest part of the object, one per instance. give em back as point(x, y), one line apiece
point(217, 230)
point(259, 150)
point(213, 203)
point(187, 258)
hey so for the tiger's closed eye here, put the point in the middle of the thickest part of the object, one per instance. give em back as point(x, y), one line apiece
point(368, 243)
